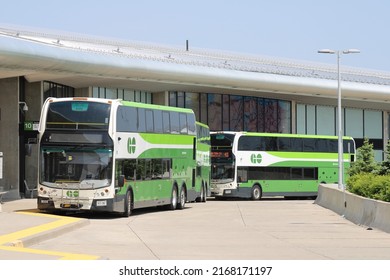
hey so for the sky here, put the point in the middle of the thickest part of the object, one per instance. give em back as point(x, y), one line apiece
point(292, 29)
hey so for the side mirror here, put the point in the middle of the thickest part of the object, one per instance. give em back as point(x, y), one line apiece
point(121, 181)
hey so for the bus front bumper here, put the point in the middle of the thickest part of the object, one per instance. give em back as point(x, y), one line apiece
point(101, 205)
point(238, 192)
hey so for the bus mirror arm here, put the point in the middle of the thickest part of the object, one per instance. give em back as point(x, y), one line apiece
point(121, 181)
point(28, 149)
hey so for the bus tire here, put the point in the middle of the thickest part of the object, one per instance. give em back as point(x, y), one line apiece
point(204, 194)
point(256, 192)
point(182, 198)
point(127, 205)
point(174, 196)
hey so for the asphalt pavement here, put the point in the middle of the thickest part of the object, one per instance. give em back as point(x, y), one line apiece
point(269, 229)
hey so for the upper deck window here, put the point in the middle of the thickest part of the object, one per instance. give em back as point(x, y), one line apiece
point(72, 115)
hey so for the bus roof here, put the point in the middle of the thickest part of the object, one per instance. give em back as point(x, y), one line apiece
point(202, 124)
point(154, 106)
point(265, 134)
point(92, 99)
point(122, 102)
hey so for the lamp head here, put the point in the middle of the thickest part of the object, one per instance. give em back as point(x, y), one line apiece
point(327, 51)
point(25, 107)
point(351, 51)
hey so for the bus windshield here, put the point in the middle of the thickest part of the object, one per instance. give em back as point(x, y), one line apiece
point(90, 167)
point(222, 158)
point(78, 115)
point(221, 171)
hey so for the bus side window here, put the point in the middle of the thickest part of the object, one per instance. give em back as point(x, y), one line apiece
point(158, 125)
point(284, 144)
point(166, 122)
point(310, 173)
point(191, 124)
point(183, 123)
point(296, 144)
point(270, 144)
point(149, 120)
point(322, 145)
point(296, 173)
point(333, 146)
point(157, 167)
point(141, 120)
point(242, 175)
point(166, 168)
point(129, 168)
point(132, 119)
point(140, 169)
point(309, 145)
point(174, 118)
point(126, 119)
point(148, 169)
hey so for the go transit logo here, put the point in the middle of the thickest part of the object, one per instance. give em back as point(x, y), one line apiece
point(256, 158)
point(131, 145)
point(72, 193)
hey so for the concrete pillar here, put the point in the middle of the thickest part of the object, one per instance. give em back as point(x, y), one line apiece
point(293, 116)
point(9, 131)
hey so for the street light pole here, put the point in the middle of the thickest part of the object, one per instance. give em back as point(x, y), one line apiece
point(340, 129)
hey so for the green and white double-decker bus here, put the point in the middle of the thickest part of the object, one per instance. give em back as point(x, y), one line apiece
point(252, 165)
point(203, 163)
point(115, 156)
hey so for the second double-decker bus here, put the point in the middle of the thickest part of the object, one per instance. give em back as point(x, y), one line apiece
point(115, 156)
point(252, 165)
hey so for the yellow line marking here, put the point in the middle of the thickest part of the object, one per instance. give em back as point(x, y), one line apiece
point(62, 255)
point(14, 238)
point(62, 221)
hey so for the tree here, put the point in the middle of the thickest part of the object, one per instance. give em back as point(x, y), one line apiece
point(385, 166)
point(365, 161)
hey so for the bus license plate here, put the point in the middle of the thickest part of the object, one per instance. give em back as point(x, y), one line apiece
point(101, 203)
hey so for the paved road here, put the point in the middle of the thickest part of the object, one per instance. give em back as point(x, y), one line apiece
point(221, 230)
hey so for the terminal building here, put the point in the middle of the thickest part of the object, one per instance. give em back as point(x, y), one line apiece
point(227, 91)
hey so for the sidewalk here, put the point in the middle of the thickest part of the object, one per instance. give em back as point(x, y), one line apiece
point(21, 226)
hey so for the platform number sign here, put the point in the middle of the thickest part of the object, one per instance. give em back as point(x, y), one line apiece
point(30, 125)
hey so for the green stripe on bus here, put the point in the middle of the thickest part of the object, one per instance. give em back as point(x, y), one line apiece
point(313, 155)
point(167, 153)
point(167, 139)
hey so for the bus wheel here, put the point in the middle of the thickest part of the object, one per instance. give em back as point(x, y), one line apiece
point(204, 194)
point(256, 192)
point(173, 204)
point(182, 198)
point(128, 205)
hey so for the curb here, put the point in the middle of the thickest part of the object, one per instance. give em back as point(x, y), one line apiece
point(359, 210)
point(45, 235)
